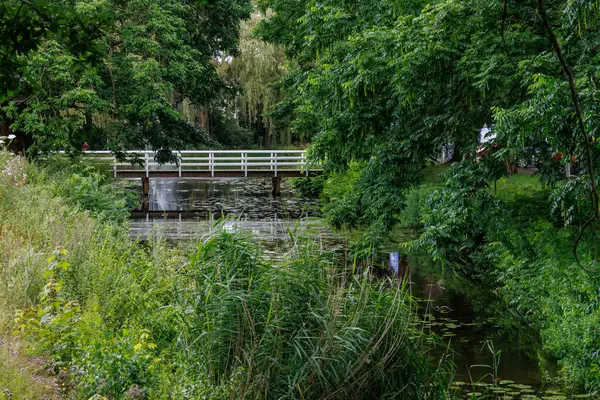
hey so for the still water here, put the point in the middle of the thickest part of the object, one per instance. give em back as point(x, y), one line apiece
point(495, 355)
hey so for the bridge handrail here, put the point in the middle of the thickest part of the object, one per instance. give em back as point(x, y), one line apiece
point(248, 160)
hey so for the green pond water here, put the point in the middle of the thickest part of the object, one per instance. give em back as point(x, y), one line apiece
point(496, 356)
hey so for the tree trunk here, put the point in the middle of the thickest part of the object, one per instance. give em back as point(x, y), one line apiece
point(202, 120)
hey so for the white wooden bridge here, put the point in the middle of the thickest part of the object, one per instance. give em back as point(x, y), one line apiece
point(198, 164)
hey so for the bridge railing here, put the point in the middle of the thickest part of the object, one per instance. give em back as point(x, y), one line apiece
point(209, 161)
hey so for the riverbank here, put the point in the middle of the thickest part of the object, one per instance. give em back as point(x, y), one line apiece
point(511, 243)
point(516, 237)
point(216, 319)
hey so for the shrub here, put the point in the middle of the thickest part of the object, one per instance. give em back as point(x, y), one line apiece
point(87, 186)
point(308, 187)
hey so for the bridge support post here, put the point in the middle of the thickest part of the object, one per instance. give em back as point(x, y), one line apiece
point(276, 186)
point(145, 187)
point(145, 206)
point(145, 194)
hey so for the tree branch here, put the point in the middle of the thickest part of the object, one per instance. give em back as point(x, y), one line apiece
point(587, 141)
point(502, 27)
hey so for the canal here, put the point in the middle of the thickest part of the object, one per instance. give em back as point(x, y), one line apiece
point(495, 355)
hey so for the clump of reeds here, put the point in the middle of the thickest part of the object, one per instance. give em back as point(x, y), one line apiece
point(304, 328)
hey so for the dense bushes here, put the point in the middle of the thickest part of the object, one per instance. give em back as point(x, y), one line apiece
point(87, 186)
point(539, 277)
point(507, 238)
point(122, 319)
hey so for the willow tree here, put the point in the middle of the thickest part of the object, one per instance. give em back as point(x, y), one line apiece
point(256, 70)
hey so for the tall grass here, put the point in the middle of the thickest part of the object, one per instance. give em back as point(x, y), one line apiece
point(32, 223)
point(123, 319)
point(305, 328)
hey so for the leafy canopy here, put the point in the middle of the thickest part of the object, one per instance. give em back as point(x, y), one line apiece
point(385, 84)
point(121, 86)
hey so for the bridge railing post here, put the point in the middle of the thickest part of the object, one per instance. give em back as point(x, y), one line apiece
point(147, 165)
point(211, 162)
point(305, 163)
point(179, 161)
point(275, 163)
point(115, 165)
point(245, 163)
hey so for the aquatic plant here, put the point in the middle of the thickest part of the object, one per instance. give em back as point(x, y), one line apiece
point(302, 328)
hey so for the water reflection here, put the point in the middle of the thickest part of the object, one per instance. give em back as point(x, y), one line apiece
point(483, 351)
point(181, 209)
point(249, 198)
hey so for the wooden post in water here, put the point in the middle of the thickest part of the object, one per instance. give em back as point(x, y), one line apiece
point(276, 186)
point(145, 186)
point(145, 193)
point(145, 206)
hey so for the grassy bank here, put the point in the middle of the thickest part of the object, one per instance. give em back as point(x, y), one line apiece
point(513, 238)
point(516, 237)
point(126, 320)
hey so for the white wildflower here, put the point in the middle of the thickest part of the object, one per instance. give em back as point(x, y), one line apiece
point(11, 136)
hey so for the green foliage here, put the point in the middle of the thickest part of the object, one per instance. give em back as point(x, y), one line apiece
point(228, 133)
point(539, 277)
point(256, 70)
point(24, 26)
point(126, 320)
point(91, 191)
point(381, 86)
point(385, 84)
point(415, 202)
point(459, 213)
point(230, 319)
point(506, 238)
point(309, 187)
point(341, 335)
point(142, 61)
point(88, 186)
point(32, 224)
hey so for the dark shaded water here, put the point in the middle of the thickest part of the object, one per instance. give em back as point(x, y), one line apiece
point(494, 354)
point(248, 198)
point(471, 330)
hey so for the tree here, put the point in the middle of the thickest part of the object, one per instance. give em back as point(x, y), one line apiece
point(385, 84)
point(151, 56)
point(25, 25)
point(256, 70)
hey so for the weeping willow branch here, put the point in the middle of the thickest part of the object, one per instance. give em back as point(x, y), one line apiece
point(258, 66)
point(594, 213)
